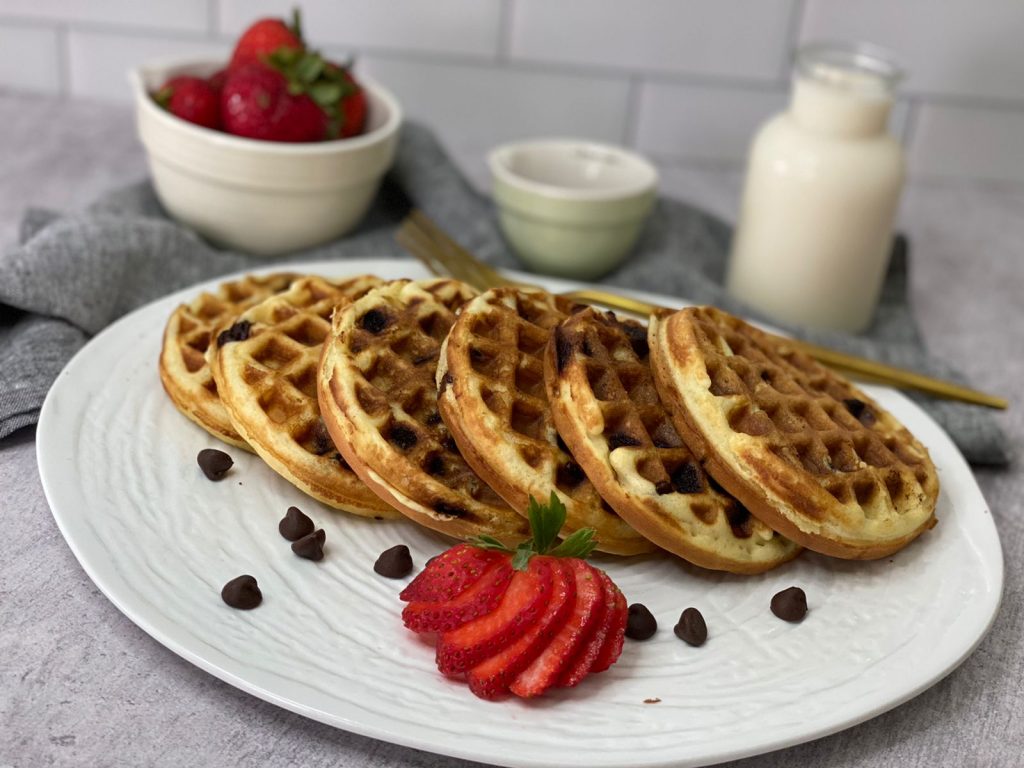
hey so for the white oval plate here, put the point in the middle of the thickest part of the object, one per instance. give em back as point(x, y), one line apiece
point(118, 465)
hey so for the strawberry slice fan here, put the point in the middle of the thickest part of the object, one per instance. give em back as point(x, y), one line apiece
point(519, 621)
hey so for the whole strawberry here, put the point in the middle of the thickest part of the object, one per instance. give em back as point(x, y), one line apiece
point(266, 37)
point(519, 621)
point(257, 103)
point(191, 98)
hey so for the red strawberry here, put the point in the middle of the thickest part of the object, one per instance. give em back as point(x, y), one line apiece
point(217, 80)
point(192, 99)
point(546, 669)
point(491, 678)
point(353, 109)
point(257, 103)
point(449, 574)
point(612, 647)
point(527, 596)
point(555, 620)
point(266, 37)
point(478, 600)
point(587, 655)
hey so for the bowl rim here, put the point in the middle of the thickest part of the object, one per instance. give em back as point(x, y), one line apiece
point(498, 162)
point(137, 78)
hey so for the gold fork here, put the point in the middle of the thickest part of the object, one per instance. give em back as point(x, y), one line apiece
point(425, 240)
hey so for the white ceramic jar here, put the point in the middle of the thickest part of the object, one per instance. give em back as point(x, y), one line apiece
point(823, 184)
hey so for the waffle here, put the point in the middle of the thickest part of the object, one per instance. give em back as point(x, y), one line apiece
point(606, 409)
point(492, 396)
point(800, 446)
point(183, 369)
point(266, 375)
point(379, 400)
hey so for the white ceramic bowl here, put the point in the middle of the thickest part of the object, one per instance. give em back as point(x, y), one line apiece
point(571, 208)
point(263, 197)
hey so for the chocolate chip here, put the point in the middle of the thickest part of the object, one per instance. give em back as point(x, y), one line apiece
point(444, 508)
point(311, 546)
point(655, 700)
point(433, 419)
point(641, 623)
point(402, 436)
point(586, 348)
point(662, 487)
point(294, 525)
point(790, 604)
point(686, 478)
point(394, 563)
point(237, 332)
point(691, 628)
point(665, 436)
point(739, 520)
point(321, 439)
point(448, 443)
point(434, 465)
point(619, 439)
point(860, 411)
point(374, 321)
point(446, 381)
point(242, 592)
point(569, 475)
point(563, 349)
point(637, 335)
point(341, 462)
point(214, 463)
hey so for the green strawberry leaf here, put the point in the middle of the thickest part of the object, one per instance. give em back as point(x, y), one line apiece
point(325, 94)
point(546, 521)
point(296, 25)
point(580, 544)
point(483, 541)
point(523, 553)
point(163, 96)
point(309, 67)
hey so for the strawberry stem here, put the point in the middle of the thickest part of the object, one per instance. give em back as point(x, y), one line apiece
point(546, 521)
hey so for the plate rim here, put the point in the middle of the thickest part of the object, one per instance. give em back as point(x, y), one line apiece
point(994, 572)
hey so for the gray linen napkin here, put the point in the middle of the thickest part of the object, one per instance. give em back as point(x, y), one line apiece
point(71, 275)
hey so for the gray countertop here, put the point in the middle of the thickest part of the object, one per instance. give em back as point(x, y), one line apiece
point(81, 685)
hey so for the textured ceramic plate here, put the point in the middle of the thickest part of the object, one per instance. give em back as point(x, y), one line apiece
point(118, 467)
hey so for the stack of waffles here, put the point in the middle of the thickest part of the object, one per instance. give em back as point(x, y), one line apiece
point(695, 434)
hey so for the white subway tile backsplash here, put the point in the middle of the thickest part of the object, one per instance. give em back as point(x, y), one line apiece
point(28, 58)
point(734, 38)
point(466, 27)
point(968, 142)
point(476, 107)
point(703, 123)
point(180, 15)
point(99, 62)
point(967, 47)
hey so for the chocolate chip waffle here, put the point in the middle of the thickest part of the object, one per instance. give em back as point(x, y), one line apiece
point(265, 365)
point(492, 397)
point(183, 369)
point(379, 401)
point(606, 409)
point(800, 446)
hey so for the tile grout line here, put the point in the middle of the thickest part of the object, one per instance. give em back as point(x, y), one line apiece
point(212, 18)
point(634, 100)
point(795, 27)
point(505, 15)
point(63, 61)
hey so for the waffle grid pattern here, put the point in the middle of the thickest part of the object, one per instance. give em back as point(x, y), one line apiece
point(268, 382)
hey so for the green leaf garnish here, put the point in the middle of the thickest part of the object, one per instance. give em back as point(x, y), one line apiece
point(546, 521)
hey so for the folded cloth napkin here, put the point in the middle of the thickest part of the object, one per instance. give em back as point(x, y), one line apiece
point(71, 275)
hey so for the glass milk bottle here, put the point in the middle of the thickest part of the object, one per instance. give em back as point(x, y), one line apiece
point(823, 184)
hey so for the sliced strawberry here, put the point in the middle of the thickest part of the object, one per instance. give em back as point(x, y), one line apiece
point(491, 678)
point(523, 604)
point(612, 647)
point(450, 574)
point(546, 669)
point(478, 600)
point(581, 665)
